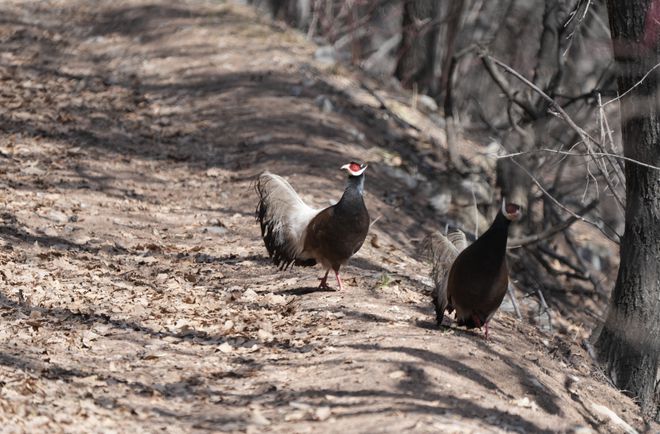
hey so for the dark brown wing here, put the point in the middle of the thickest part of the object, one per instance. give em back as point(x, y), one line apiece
point(333, 237)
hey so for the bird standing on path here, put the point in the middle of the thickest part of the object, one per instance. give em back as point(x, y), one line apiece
point(472, 279)
point(295, 233)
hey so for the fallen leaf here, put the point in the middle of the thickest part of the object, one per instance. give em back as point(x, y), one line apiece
point(322, 413)
point(226, 348)
point(525, 403)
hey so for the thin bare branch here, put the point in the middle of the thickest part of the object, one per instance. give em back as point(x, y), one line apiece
point(562, 206)
point(608, 133)
point(552, 231)
point(580, 154)
point(575, 13)
point(504, 85)
point(557, 107)
point(633, 86)
point(586, 138)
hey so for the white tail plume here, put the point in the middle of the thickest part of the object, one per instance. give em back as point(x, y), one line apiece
point(284, 218)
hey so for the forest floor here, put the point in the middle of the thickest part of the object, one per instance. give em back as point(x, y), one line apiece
point(135, 292)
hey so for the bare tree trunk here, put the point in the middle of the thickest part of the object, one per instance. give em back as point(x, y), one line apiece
point(454, 18)
point(550, 66)
point(629, 344)
point(296, 13)
point(417, 51)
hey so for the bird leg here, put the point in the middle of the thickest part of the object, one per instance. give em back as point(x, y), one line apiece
point(341, 287)
point(439, 315)
point(478, 323)
point(324, 281)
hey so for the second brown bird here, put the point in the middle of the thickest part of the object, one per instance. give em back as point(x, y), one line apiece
point(472, 280)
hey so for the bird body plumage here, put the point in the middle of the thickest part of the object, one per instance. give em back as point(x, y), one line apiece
point(478, 278)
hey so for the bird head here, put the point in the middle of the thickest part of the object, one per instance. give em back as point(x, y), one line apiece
point(513, 212)
point(354, 169)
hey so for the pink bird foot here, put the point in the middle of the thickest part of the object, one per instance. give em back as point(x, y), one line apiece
point(341, 286)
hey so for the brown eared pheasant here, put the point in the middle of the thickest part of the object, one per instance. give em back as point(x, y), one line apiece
point(472, 280)
point(297, 234)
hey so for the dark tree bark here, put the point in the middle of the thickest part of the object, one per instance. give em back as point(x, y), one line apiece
point(550, 65)
point(453, 27)
point(629, 344)
point(418, 48)
point(295, 13)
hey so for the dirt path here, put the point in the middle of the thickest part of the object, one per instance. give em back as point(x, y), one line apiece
point(135, 295)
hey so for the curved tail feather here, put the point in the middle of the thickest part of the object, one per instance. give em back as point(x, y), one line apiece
point(283, 217)
point(441, 251)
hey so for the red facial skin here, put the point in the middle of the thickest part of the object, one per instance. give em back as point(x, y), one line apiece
point(511, 208)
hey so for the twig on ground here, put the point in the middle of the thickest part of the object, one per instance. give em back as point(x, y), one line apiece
point(571, 244)
point(545, 264)
point(544, 305)
point(514, 302)
point(373, 222)
point(604, 411)
point(589, 348)
point(383, 105)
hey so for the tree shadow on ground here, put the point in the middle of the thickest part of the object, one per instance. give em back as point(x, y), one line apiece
point(546, 398)
point(14, 233)
point(204, 115)
point(305, 290)
point(435, 358)
point(177, 390)
point(404, 401)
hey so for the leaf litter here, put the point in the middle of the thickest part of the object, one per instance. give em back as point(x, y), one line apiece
point(135, 295)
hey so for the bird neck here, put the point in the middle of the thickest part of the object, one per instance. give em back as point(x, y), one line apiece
point(501, 223)
point(355, 185)
point(353, 192)
point(497, 234)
